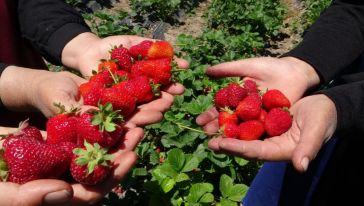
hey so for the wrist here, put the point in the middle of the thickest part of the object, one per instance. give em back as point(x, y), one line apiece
point(305, 69)
point(78, 46)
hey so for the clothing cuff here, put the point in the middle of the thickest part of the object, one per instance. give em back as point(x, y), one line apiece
point(62, 36)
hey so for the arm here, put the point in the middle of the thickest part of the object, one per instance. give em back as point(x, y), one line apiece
point(335, 40)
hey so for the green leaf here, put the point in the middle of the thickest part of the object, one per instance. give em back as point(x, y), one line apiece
point(241, 161)
point(226, 184)
point(207, 198)
point(227, 202)
point(176, 158)
point(198, 190)
point(167, 184)
point(154, 157)
point(181, 177)
point(199, 105)
point(139, 172)
point(191, 163)
point(237, 192)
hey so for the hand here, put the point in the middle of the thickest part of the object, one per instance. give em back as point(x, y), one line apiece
point(311, 128)
point(24, 89)
point(290, 75)
point(47, 191)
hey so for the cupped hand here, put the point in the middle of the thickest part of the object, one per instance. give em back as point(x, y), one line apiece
point(290, 75)
point(56, 88)
point(311, 128)
point(57, 192)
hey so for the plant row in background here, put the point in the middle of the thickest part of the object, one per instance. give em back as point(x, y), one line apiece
point(175, 166)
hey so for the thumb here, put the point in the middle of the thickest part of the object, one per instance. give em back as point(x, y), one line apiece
point(37, 192)
point(311, 141)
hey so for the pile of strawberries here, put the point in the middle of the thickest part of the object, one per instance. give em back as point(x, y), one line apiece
point(79, 145)
point(131, 76)
point(249, 114)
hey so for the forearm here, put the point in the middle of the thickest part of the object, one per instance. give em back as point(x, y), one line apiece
point(16, 85)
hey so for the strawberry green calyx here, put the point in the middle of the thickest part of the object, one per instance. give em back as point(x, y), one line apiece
point(92, 156)
point(62, 109)
point(156, 89)
point(4, 172)
point(106, 118)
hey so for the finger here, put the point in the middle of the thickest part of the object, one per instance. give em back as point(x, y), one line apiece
point(145, 117)
point(88, 195)
point(212, 127)
point(244, 67)
point(161, 104)
point(174, 89)
point(271, 149)
point(181, 63)
point(214, 143)
point(312, 139)
point(131, 140)
point(207, 116)
point(37, 192)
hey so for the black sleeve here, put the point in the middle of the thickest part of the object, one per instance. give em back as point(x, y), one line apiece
point(348, 99)
point(335, 40)
point(49, 25)
point(2, 67)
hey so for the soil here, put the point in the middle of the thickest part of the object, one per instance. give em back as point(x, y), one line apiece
point(194, 22)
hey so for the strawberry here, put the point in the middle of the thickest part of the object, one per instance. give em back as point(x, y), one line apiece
point(108, 65)
point(249, 108)
point(159, 70)
point(274, 98)
point(122, 57)
point(30, 159)
point(221, 99)
point(142, 89)
point(120, 99)
point(230, 96)
point(262, 116)
point(251, 130)
point(230, 130)
point(277, 122)
point(62, 127)
point(152, 50)
point(32, 132)
point(102, 127)
point(102, 78)
point(90, 165)
point(227, 116)
point(24, 131)
point(90, 93)
point(250, 86)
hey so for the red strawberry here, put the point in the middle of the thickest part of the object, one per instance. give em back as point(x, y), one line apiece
point(62, 127)
point(102, 127)
point(102, 78)
point(221, 99)
point(24, 131)
point(262, 116)
point(152, 50)
point(277, 122)
point(120, 99)
point(108, 65)
point(30, 159)
point(230, 96)
point(159, 70)
point(90, 93)
point(250, 86)
point(122, 57)
point(142, 89)
point(227, 116)
point(274, 98)
point(251, 130)
point(230, 130)
point(249, 108)
point(32, 132)
point(91, 165)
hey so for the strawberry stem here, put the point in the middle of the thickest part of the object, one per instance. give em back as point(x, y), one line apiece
point(192, 129)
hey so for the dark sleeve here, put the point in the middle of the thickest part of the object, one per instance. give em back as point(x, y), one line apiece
point(348, 99)
point(335, 40)
point(2, 67)
point(49, 25)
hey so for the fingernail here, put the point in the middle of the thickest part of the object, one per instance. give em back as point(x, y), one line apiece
point(304, 163)
point(58, 197)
